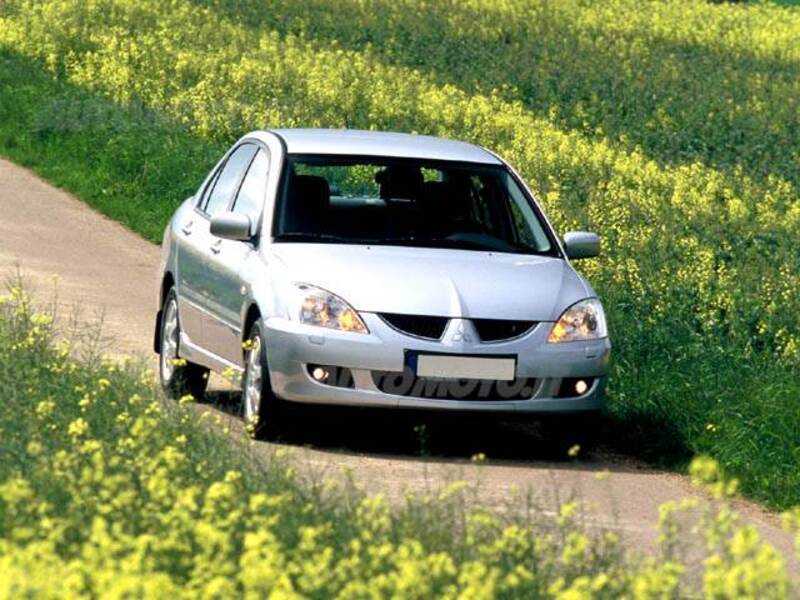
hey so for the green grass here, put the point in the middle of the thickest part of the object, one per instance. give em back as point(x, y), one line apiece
point(671, 131)
point(128, 162)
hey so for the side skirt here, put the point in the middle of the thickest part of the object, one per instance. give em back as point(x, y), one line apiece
point(200, 356)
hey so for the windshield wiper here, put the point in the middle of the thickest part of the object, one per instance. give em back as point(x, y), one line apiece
point(486, 246)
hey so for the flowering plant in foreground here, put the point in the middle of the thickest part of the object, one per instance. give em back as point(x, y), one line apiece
point(107, 490)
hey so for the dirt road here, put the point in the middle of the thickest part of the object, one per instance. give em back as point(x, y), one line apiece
point(106, 268)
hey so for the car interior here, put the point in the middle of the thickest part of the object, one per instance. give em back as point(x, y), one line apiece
point(407, 204)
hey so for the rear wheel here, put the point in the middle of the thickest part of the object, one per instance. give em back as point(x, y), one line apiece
point(178, 377)
point(263, 412)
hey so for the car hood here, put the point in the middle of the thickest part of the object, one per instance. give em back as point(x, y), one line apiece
point(434, 281)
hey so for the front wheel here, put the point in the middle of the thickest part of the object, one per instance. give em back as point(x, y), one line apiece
point(263, 412)
point(177, 376)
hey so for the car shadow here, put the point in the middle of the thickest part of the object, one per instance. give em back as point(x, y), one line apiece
point(445, 435)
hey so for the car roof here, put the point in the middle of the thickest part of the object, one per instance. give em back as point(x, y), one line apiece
point(354, 142)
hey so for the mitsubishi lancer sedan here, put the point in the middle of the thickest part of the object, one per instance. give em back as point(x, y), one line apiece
point(376, 269)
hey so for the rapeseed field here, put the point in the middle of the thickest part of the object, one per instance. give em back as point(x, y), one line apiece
point(670, 128)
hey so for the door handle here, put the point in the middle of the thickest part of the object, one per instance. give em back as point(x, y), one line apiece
point(187, 229)
point(216, 246)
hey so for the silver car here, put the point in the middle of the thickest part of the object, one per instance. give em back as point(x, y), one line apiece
point(376, 269)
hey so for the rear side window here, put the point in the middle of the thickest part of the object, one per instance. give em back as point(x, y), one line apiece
point(228, 179)
point(207, 189)
point(250, 200)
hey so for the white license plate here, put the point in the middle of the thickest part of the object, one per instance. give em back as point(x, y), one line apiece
point(465, 367)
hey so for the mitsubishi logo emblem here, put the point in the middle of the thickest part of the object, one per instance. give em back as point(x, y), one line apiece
point(460, 335)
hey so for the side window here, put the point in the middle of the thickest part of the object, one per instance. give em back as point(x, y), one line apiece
point(228, 178)
point(207, 190)
point(529, 227)
point(524, 232)
point(250, 200)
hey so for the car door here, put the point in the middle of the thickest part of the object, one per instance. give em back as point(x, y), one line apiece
point(191, 249)
point(208, 287)
point(227, 260)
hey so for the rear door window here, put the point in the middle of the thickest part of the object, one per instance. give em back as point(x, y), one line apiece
point(207, 188)
point(250, 199)
point(228, 179)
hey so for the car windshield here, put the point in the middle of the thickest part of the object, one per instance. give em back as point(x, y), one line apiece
point(408, 202)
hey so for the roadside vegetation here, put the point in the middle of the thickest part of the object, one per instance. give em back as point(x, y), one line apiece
point(109, 490)
point(669, 128)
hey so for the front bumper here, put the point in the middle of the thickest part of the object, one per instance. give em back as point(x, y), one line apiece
point(292, 346)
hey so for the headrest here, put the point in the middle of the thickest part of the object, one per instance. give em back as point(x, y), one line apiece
point(400, 182)
point(447, 199)
point(310, 191)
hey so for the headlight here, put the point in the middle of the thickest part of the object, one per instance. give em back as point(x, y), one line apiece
point(584, 320)
point(323, 309)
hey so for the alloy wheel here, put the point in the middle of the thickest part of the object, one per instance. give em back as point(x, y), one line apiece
point(169, 341)
point(253, 382)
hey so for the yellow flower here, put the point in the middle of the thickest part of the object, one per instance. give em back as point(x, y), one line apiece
point(45, 408)
point(573, 451)
point(566, 513)
point(77, 428)
point(41, 320)
point(575, 548)
point(602, 475)
point(480, 457)
point(453, 489)
point(232, 375)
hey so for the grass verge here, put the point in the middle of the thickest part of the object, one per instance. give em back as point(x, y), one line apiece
point(126, 161)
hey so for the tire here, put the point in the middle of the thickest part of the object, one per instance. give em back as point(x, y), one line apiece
point(183, 378)
point(263, 412)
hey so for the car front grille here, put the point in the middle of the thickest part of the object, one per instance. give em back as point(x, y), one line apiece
point(495, 330)
point(432, 328)
point(406, 383)
point(426, 327)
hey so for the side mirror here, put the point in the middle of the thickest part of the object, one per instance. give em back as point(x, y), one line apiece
point(581, 244)
point(231, 226)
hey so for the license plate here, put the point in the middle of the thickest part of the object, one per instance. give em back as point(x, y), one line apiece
point(465, 367)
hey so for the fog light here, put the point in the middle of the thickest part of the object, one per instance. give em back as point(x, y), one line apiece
point(574, 387)
point(319, 374)
point(330, 375)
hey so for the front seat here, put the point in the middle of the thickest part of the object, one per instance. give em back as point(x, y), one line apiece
point(449, 207)
point(309, 200)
